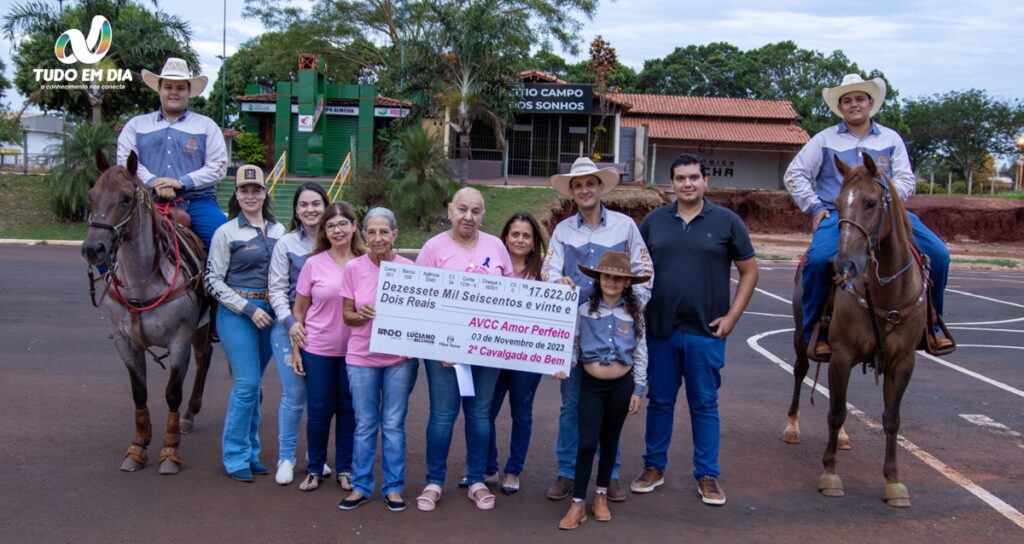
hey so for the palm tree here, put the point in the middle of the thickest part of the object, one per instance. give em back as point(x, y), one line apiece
point(77, 171)
point(418, 164)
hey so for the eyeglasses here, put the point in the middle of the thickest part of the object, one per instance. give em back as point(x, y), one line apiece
point(340, 225)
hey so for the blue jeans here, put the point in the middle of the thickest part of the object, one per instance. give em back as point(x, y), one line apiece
point(206, 216)
point(248, 351)
point(568, 428)
point(521, 388)
point(293, 395)
point(818, 271)
point(698, 360)
point(444, 408)
point(328, 396)
point(380, 396)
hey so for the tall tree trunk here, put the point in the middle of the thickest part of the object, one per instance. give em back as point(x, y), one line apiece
point(464, 158)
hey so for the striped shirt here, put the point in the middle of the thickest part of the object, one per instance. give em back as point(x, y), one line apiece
point(813, 180)
point(190, 149)
point(574, 242)
point(240, 259)
point(286, 262)
point(609, 336)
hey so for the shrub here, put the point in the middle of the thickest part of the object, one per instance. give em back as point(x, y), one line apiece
point(76, 172)
point(368, 187)
point(959, 188)
point(250, 150)
point(421, 186)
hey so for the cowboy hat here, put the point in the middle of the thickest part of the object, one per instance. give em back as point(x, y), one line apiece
point(585, 167)
point(613, 263)
point(175, 69)
point(874, 88)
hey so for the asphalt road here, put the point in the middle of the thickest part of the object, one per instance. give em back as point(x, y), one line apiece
point(66, 418)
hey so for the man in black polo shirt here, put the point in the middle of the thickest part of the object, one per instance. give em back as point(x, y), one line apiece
point(693, 243)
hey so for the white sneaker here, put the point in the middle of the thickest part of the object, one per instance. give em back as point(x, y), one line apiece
point(327, 471)
point(285, 472)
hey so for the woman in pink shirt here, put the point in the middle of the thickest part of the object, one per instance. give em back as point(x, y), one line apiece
point(321, 359)
point(462, 247)
point(380, 383)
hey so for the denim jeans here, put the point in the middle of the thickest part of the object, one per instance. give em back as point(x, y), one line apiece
point(444, 408)
point(248, 351)
point(568, 428)
point(328, 396)
point(818, 271)
point(206, 216)
point(698, 360)
point(293, 395)
point(380, 396)
point(521, 388)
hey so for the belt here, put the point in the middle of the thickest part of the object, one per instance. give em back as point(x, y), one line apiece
point(256, 295)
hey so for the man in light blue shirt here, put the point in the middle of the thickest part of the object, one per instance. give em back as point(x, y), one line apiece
point(814, 183)
point(181, 153)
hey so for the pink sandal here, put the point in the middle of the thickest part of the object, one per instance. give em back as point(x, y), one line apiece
point(429, 498)
point(484, 500)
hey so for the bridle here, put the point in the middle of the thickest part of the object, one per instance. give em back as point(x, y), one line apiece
point(874, 239)
point(119, 234)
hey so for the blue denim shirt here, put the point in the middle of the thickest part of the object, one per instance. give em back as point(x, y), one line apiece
point(609, 336)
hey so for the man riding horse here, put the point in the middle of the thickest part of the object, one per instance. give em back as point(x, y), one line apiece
point(814, 182)
point(181, 153)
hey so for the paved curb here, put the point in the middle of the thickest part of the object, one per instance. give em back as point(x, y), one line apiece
point(23, 242)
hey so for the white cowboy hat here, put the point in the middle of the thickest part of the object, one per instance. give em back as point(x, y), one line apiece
point(852, 83)
point(585, 167)
point(175, 69)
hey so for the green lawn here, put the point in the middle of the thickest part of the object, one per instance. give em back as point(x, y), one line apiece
point(25, 211)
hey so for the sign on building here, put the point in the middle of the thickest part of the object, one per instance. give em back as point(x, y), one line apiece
point(556, 98)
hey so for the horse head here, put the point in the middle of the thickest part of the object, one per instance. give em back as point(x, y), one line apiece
point(113, 200)
point(864, 203)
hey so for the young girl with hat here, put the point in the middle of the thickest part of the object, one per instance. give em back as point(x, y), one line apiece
point(613, 356)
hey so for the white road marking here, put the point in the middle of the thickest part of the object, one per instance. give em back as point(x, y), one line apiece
point(983, 329)
point(997, 504)
point(965, 293)
point(773, 315)
point(1000, 322)
point(982, 420)
point(988, 346)
point(972, 374)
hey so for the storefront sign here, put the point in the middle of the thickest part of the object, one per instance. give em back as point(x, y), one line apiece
point(556, 98)
point(476, 319)
point(305, 123)
point(347, 111)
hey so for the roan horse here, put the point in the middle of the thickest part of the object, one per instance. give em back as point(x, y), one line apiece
point(154, 301)
point(879, 315)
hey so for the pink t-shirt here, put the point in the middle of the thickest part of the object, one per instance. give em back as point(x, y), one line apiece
point(489, 256)
point(326, 331)
point(359, 283)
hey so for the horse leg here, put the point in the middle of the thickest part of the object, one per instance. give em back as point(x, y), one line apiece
point(792, 433)
point(202, 350)
point(829, 484)
point(896, 380)
point(134, 360)
point(170, 460)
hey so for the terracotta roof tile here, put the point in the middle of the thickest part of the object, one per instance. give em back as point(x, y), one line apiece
point(726, 131)
point(705, 106)
point(380, 101)
point(540, 76)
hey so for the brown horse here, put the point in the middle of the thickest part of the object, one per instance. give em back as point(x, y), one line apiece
point(879, 315)
point(153, 300)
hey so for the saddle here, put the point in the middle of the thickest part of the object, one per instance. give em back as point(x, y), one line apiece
point(929, 339)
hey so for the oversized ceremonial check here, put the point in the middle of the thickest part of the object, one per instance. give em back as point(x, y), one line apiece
point(478, 319)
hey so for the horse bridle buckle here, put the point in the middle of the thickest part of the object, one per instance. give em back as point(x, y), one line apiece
point(894, 317)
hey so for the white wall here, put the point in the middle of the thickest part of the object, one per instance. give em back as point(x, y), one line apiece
point(730, 168)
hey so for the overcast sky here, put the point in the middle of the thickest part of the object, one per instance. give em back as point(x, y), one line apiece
point(923, 47)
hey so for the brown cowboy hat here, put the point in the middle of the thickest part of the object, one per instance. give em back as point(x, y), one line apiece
point(614, 263)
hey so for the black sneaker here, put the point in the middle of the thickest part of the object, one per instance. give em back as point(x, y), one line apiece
point(394, 506)
point(352, 504)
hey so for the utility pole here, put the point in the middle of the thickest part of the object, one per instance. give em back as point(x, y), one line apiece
point(223, 67)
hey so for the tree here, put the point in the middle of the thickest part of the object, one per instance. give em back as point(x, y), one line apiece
point(10, 127)
point(418, 164)
point(604, 62)
point(778, 71)
point(964, 127)
point(141, 39)
point(69, 183)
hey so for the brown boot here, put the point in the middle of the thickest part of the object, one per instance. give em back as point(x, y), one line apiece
point(561, 489)
point(615, 492)
point(822, 350)
point(600, 507)
point(576, 515)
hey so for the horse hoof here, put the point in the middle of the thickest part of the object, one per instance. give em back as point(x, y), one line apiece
point(896, 495)
point(169, 467)
point(791, 437)
point(185, 425)
point(831, 485)
point(130, 465)
point(845, 444)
